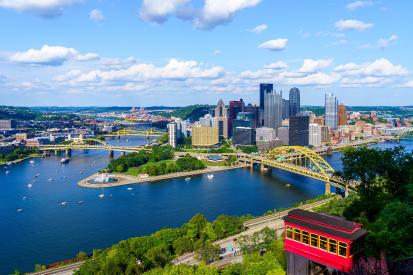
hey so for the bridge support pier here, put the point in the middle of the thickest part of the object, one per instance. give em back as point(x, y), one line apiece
point(263, 168)
point(123, 153)
point(56, 152)
point(328, 188)
point(111, 153)
point(68, 152)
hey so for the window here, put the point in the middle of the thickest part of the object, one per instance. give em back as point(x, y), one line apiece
point(314, 240)
point(289, 234)
point(332, 246)
point(305, 237)
point(342, 249)
point(323, 243)
point(297, 234)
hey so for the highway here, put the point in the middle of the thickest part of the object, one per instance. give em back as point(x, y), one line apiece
point(63, 270)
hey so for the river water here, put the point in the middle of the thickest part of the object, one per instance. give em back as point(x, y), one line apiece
point(46, 231)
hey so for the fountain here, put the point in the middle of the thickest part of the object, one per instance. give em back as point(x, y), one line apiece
point(103, 179)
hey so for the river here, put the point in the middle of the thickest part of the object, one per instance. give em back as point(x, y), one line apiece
point(46, 231)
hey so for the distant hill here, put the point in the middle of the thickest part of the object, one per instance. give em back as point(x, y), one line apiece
point(192, 112)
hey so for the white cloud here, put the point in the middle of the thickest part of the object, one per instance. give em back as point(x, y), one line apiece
point(352, 24)
point(96, 16)
point(40, 7)
point(217, 52)
point(259, 28)
point(358, 4)
point(211, 14)
point(408, 84)
point(311, 65)
point(316, 79)
point(50, 55)
point(275, 45)
point(279, 65)
point(384, 42)
point(378, 68)
point(158, 11)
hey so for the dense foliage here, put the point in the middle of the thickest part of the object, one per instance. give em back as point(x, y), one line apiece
point(157, 153)
point(247, 149)
point(19, 153)
point(140, 254)
point(183, 164)
point(18, 113)
point(384, 199)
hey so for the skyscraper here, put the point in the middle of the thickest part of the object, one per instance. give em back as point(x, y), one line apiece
point(342, 115)
point(286, 108)
point(172, 132)
point(221, 119)
point(331, 108)
point(314, 135)
point(273, 109)
point(299, 132)
point(235, 106)
point(265, 88)
point(294, 98)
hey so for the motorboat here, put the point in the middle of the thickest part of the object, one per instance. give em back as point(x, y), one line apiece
point(7, 172)
point(210, 176)
point(64, 160)
point(80, 202)
point(187, 179)
point(101, 196)
point(29, 185)
point(63, 203)
point(51, 179)
point(288, 185)
point(32, 161)
point(130, 188)
point(24, 198)
point(20, 210)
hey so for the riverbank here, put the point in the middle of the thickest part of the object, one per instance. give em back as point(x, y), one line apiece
point(123, 179)
point(20, 160)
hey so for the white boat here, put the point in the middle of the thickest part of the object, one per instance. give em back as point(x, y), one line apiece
point(187, 179)
point(37, 175)
point(130, 188)
point(80, 202)
point(29, 185)
point(64, 160)
point(24, 198)
point(101, 196)
point(32, 161)
point(63, 203)
point(288, 185)
point(51, 179)
point(20, 210)
point(7, 172)
point(210, 176)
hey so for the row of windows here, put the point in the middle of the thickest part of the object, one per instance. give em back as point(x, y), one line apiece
point(316, 241)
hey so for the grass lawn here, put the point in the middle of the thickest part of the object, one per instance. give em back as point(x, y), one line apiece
point(211, 163)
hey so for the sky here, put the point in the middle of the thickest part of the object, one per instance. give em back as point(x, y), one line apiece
point(182, 52)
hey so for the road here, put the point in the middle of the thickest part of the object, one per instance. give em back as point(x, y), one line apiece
point(63, 270)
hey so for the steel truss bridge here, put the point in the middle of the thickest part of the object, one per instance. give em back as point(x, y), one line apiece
point(302, 161)
point(91, 144)
point(130, 132)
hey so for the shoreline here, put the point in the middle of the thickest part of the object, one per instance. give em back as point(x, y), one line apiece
point(127, 179)
point(20, 160)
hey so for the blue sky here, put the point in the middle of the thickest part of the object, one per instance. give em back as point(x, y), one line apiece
point(181, 52)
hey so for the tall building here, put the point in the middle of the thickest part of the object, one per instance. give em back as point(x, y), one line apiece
point(273, 109)
point(286, 108)
point(266, 139)
point(172, 132)
point(294, 100)
point(299, 132)
point(206, 121)
point(244, 136)
point(221, 119)
point(7, 124)
point(283, 135)
point(204, 136)
point(265, 88)
point(314, 135)
point(331, 111)
point(235, 106)
point(244, 119)
point(342, 115)
point(255, 110)
point(325, 134)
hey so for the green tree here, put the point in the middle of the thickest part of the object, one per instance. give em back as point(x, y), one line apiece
point(208, 253)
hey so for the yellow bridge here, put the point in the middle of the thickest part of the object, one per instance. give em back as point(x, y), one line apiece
point(130, 132)
point(91, 144)
point(299, 160)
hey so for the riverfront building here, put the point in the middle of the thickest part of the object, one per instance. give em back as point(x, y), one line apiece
point(299, 132)
point(221, 119)
point(314, 135)
point(331, 111)
point(294, 101)
point(7, 124)
point(273, 109)
point(243, 136)
point(342, 115)
point(204, 136)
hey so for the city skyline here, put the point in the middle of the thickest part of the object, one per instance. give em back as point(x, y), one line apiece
point(143, 53)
